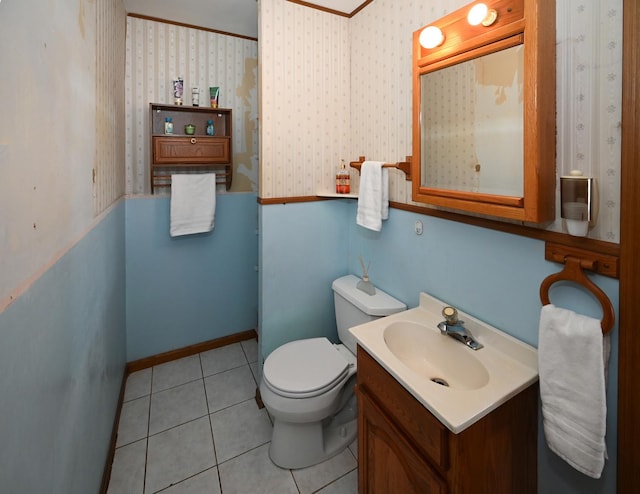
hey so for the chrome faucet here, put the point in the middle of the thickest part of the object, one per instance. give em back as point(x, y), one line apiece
point(453, 327)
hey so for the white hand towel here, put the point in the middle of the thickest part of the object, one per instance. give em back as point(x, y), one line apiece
point(373, 196)
point(193, 203)
point(572, 363)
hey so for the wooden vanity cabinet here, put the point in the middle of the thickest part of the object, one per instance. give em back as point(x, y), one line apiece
point(178, 151)
point(404, 449)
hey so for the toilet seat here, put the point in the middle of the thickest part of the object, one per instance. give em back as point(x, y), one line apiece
point(305, 368)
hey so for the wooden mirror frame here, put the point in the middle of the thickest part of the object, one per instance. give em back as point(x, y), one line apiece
point(531, 22)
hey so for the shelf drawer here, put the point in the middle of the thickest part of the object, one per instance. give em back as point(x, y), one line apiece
point(191, 149)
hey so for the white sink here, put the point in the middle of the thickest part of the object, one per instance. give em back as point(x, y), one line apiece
point(455, 383)
point(444, 361)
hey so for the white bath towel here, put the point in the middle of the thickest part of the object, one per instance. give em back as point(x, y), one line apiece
point(193, 203)
point(373, 196)
point(572, 362)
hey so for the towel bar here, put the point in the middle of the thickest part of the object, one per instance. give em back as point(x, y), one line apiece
point(404, 166)
point(573, 271)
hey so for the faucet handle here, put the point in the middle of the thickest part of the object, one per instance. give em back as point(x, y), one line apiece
point(450, 314)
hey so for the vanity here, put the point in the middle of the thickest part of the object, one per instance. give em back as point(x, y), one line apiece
point(435, 416)
point(403, 448)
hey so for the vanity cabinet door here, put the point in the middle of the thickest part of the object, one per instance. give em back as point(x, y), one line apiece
point(388, 462)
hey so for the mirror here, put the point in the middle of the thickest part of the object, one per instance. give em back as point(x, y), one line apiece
point(484, 113)
point(460, 134)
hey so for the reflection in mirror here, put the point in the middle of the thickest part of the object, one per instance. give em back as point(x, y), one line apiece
point(472, 125)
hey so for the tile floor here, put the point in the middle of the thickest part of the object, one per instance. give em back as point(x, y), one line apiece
point(192, 426)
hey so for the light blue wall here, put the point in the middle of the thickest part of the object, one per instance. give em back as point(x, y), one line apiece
point(303, 248)
point(189, 289)
point(62, 348)
point(492, 275)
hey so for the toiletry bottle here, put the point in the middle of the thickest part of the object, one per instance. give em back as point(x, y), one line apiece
point(168, 125)
point(210, 128)
point(343, 182)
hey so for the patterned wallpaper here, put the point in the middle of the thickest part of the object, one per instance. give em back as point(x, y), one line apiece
point(108, 179)
point(156, 54)
point(589, 64)
point(334, 88)
point(304, 100)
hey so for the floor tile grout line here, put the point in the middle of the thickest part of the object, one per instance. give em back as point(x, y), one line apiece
point(295, 482)
point(243, 453)
point(176, 386)
point(228, 370)
point(335, 480)
point(232, 405)
point(215, 454)
point(244, 352)
point(146, 448)
point(185, 479)
point(178, 425)
point(213, 441)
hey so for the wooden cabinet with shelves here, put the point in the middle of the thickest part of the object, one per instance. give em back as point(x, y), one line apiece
point(404, 449)
point(176, 152)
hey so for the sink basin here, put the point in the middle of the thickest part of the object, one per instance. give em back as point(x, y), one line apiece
point(456, 384)
point(435, 356)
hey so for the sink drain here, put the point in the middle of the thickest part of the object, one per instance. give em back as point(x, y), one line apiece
point(440, 381)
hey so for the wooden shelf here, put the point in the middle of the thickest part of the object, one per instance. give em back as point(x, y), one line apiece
point(179, 152)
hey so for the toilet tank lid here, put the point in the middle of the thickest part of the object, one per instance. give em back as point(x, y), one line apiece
point(380, 304)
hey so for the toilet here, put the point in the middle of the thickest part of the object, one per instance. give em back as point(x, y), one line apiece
point(307, 385)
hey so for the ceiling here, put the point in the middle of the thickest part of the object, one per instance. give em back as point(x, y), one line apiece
point(230, 16)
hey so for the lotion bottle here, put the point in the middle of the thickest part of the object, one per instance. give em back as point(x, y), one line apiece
point(343, 180)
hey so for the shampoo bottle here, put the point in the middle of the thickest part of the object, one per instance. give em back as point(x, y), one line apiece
point(343, 182)
point(210, 128)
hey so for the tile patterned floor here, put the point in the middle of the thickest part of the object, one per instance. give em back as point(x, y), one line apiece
point(192, 426)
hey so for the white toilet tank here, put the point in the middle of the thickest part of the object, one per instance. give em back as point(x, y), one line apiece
point(354, 307)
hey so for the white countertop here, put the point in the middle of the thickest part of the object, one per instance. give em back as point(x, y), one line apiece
point(511, 365)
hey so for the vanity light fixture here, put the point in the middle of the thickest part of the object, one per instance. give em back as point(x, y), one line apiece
point(431, 36)
point(481, 14)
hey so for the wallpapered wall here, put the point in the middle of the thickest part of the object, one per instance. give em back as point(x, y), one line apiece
point(341, 88)
point(589, 65)
point(304, 100)
point(156, 54)
point(108, 176)
point(64, 75)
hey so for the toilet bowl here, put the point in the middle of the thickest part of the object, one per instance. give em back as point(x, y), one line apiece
point(307, 385)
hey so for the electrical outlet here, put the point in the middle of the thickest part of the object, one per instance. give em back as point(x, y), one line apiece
point(418, 227)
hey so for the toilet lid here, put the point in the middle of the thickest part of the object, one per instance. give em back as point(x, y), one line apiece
point(305, 367)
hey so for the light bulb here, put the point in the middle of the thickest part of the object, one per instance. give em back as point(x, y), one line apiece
point(481, 14)
point(431, 36)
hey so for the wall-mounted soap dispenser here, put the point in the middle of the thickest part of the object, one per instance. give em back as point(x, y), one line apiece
point(577, 197)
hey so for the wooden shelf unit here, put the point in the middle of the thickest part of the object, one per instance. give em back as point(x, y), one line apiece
point(179, 152)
